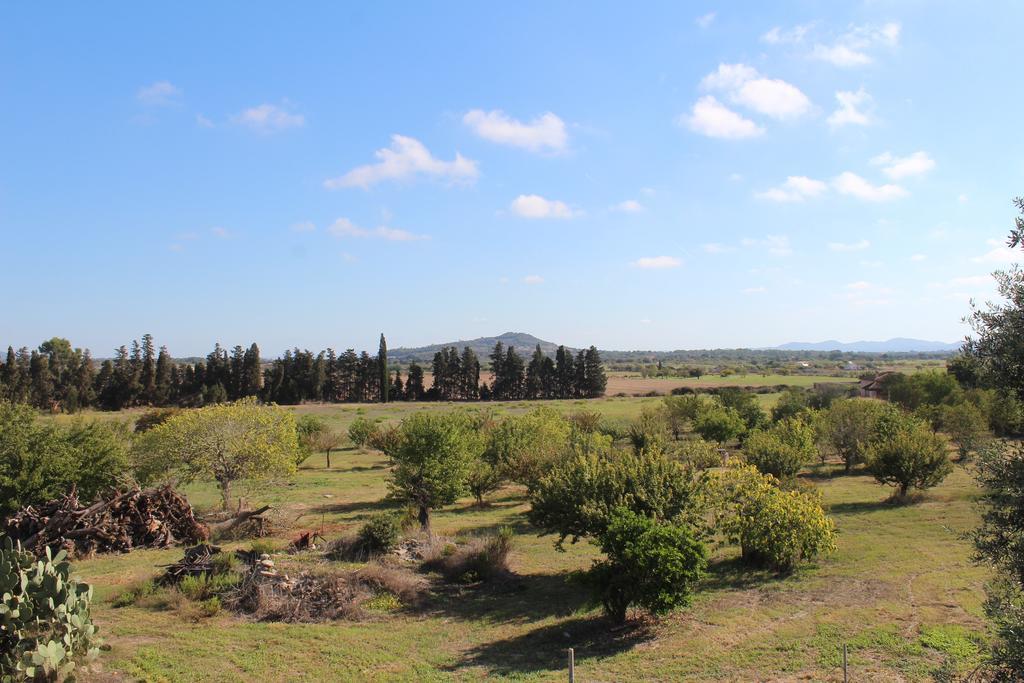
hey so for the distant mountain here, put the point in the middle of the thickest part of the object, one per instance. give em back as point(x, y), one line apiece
point(482, 346)
point(895, 345)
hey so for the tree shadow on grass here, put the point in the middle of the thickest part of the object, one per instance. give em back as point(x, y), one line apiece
point(366, 506)
point(544, 649)
point(735, 574)
point(513, 599)
point(861, 506)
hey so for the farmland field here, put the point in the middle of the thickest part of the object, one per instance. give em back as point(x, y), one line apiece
point(901, 591)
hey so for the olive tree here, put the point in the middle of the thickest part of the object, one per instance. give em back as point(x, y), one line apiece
point(965, 425)
point(226, 443)
point(433, 456)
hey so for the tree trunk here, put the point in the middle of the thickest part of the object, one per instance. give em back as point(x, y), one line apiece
point(424, 518)
point(328, 458)
point(225, 492)
point(903, 490)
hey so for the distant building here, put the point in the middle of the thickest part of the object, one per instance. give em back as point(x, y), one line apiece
point(874, 387)
point(851, 366)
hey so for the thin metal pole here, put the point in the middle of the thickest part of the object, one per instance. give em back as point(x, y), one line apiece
point(572, 666)
point(846, 675)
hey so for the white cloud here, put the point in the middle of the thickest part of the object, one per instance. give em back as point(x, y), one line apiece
point(962, 199)
point(768, 96)
point(852, 184)
point(203, 122)
point(343, 227)
point(776, 245)
point(656, 262)
point(902, 167)
point(405, 158)
point(546, 132)
point(717, 248)
point(795, 189)
point(268, 118)
point(871, 264)
point(159, 94)
point(629, 206)
point(706, 20)
point(535, 206)
point(778, 36)
point(860, 285)
point(849, 246)
point(648, 191)
point(918, 257)
point(852, 48)
point(303, 226)
point(533, 280)
point(854, 109)
point(712, 118)
point(753, 290)
point(222, 233)
point(999, 253)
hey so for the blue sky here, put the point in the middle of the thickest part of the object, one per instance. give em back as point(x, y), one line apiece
point(637, 176)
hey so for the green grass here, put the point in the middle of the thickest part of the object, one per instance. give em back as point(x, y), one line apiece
point(900, 591)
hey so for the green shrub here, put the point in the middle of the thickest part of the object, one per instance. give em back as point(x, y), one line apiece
point(308, 429)
point(132, 595)
point(718, 423)
point(782, 450)
point(45, 625)
point(361, 430)
point(652, 564)
point(698, 453)
point(648, 431)
point(210, 607)
point(380, 534)
point(39, 462)
point(909, 454)
point(481, 559)
point(202, 587)
point(966, 426)
point(576, 497)
point(774, 528)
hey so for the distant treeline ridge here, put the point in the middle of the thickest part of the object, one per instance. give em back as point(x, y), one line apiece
point(58, 377)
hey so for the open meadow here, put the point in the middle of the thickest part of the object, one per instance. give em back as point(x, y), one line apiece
point(900, 590)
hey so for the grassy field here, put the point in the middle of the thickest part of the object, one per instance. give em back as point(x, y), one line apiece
point(632, 384)
point(901, 591)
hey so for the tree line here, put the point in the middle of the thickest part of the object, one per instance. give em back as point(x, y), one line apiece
point(58, 377)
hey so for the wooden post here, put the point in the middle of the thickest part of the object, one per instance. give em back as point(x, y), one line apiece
point(572, 666)
point(846, 675)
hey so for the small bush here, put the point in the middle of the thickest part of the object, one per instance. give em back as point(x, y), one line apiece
point(399, 582)
point(205, 586)
point(210, 607)
point(781, 450)
point(380, 533)
point(698, 454)
point(481, 559)
point(774, 528)
point(654, 565)
point(361, 431)
point(262, 546)
point(132, 595)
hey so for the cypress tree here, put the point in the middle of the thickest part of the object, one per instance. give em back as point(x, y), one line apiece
point(565, 372)
point(382, 368)
point(147, 371)
point(397, 390)
point(414, 384)
point(499, 382)
point(162, 377)
point(252, 376)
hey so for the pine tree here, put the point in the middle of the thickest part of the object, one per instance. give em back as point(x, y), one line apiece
point(382, 368)
point(596, 381)
point(162, 391)
point(85, 380)
point(41, 381)
point(515, 372)
point(11, 377)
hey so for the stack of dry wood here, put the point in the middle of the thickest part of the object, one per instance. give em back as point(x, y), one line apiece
point(118, 522)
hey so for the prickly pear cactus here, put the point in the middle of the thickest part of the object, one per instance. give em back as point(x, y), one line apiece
point(45, 629)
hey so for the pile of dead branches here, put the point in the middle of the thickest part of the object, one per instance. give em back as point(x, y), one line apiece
point(118, 522)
